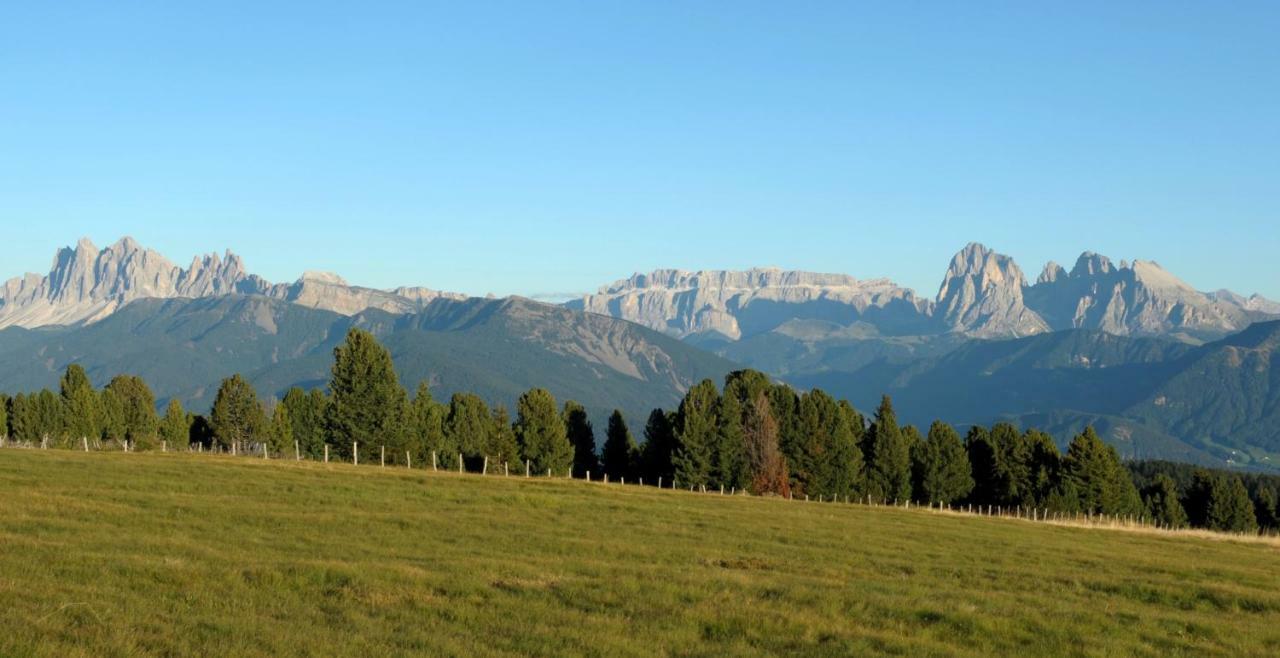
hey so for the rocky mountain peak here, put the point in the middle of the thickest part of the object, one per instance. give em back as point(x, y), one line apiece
point(1052, 272)
point(1091, 264)
point(981, 295)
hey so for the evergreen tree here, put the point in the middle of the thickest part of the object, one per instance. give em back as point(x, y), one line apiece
point(1265, 507)
point(1044, 465)
point(659, 444)
point(1012, 476)
point(503, 447)
point(280, 433)
point(18, 418)
point(784, 404)
point(696, 435)
point(467, 426)
point(540, 432)
point(45, 417)
point(745, 385)
point(306, 418)
point(139, 410)
point(620, 452)
point(1094, 470)
point(1230, 509)
point(83, 419)
point(729, 459)
point(889, 459)
point(982, 464)
point(175, 427)
point(201, 432)
point(4, 416)
point(1163, 506)
point(943, 470)
point(427, 427)
point(113, 421)
point(767, 467)
point(583, 437)
point(237, 417)
point(367, 404)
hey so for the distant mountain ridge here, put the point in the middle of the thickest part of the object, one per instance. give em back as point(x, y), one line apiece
point(86, 284)
point(984, 294)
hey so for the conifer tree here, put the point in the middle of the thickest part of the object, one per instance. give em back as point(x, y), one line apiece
point(1231, 510)
point(280, 434)
point(138, 409)
point(45, 417)
point(1094, 470)
point(540, 432)
point(696, 434)
point(367, 404)
point(237, 418)
point(849, 471)
point(306, 418)
point(943, 472)
point(659, 444)
point(1044, 464)
point(729, 459)
point(4, 416)
point(113, 421)
point(175, 427)
point(83, 419)
point(1012, 476)
point(503, 447)
point(620, 451)
point(889, 461)
point(427, 427)
point(468, 427)
point(767, 467)
point(583, 437)
point(1265, 507)
point(1163, 506)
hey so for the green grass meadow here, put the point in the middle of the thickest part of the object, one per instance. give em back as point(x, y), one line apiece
point(112, 554)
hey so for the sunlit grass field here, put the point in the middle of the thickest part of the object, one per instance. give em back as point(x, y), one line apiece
point(112, 554)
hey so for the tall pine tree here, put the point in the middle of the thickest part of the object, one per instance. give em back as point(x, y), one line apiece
point(540, 432)
point(84, 408)
point(889, 459)
point(583, 437)
point(943, 471)
point(237, 418)
point(766, 465)
point(696, 435)
point(620, 452)
point(175, 426)
point(367, 404)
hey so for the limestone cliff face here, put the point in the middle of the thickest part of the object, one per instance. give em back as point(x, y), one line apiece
point(86, 284)
point(981, 295)
point(1140, 299)
point(737, 304)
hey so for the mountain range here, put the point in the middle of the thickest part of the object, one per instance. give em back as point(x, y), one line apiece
point(1161, 369)
point(983, 294)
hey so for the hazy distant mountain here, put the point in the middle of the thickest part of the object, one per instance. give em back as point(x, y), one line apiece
point(983, 294)
point(737, 305)
point(86, 284)
point(496, 348)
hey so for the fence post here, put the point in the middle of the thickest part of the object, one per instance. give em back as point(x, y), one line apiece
point(623, 481)
point(484, 470)
point(548, 472)
point(408, 461)
point(659, 481)
point(86, 443)
point(326, 453)
point(382, 456)
point(297, 452)
point(505, 471)
point(264, 450)
point(355, 453)
point(526, 468)
point(433, 460)
point(606, 476)
point(459, 462)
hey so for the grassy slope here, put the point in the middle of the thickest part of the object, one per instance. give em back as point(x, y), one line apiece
point(122, 554)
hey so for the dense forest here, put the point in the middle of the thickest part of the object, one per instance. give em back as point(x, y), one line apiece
point(752, 434)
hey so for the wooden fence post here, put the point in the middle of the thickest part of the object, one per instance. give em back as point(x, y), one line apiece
point(433, 460)
point(505, 471)
point(484, 470)
point(297, 452)
point(459, 462)
point(659, 481)
point(606, 477)
point(526, 468)
point(326, 453)
point(86, 443)
point(382, 456)
point(264, 450)
point(355, 453)
point(408, 461)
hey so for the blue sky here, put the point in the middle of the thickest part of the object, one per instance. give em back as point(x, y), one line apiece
point(556, 146)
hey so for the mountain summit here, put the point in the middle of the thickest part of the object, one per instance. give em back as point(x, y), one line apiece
point(86, 284)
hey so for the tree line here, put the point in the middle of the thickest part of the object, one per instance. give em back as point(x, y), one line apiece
point(752, 434)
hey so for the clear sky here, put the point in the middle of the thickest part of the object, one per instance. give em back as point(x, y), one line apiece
point(549, 147)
